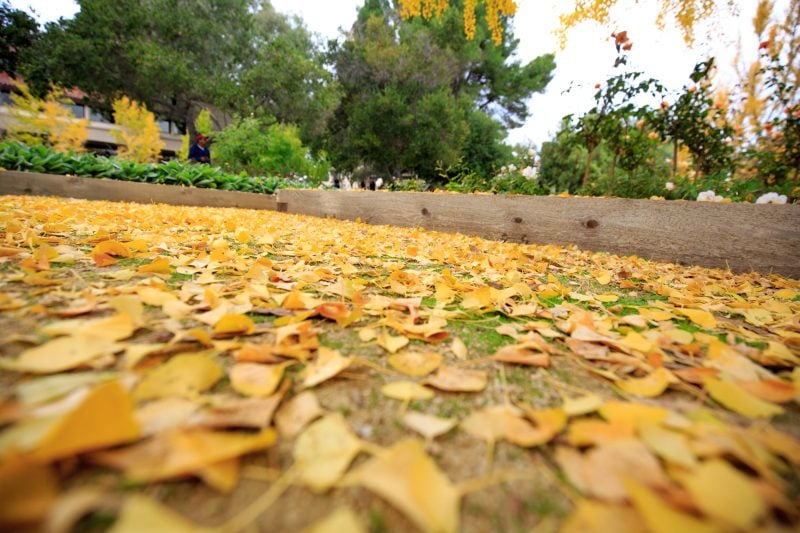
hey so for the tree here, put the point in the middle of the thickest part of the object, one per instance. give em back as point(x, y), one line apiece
point(18, 31)
point(137, 132)
point(495, 11)
point(46, 121)
point(419, 96)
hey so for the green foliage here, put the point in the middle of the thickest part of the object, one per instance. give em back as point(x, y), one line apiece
point(202, 123)
point(18, 32)
point(249, 146)
point(17, 156)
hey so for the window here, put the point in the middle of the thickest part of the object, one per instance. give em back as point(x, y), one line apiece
point(5, 98)
point(78, 110)
point(96, 116)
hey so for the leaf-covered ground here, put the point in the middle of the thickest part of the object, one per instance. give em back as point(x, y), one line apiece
point(165, 368)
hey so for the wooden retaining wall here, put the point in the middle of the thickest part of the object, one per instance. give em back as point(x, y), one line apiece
point(34, 183)
point(742, 237)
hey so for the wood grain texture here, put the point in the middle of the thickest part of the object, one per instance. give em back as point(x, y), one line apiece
point(32, 183)
point(742, 237)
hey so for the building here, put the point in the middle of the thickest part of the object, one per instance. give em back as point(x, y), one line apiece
point(100, 138)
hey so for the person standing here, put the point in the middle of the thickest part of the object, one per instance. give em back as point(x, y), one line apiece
point(198, 152)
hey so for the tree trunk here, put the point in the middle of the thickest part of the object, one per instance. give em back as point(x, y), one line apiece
point(588, 166)
point(674, 158)
point(611, 172)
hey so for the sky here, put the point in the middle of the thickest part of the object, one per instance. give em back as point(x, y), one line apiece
point(586, 60)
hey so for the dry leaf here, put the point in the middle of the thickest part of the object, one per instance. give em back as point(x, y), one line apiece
point(341, 520)
point(163, 414)
point(704, 319)
point(391, 343)
point(582, 405)
point(671, 446)
point(451, 379)
point(408, 479)
point(519, 354)
point(140, 513)
point(184, 375)
point(329, 363)
point(416, 364)
point(659, 517)
point(649, 386)
point(428, 426)
point(740, 401)
point(233, 324)
point(255, 379)
point(238, 412)
point(27, 490)
point(406, 391)
point(599, 517)
point(297, 413)
point(459, 349)
point(323, 452)
point(63, 353)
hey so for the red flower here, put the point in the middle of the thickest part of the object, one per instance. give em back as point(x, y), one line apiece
point(763, 45)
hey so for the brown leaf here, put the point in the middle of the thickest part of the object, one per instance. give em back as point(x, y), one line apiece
point(453, 379)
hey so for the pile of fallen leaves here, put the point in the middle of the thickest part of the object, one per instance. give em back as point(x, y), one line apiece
point(166, 368)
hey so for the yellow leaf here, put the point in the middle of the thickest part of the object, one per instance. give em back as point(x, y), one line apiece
point(341, 520)
point(636, 341)
point(678, 336)
point(660, 517)
point(631, 414)
point(234, 324)
point(415, 364)
point(740, 401)
point(159, 266)
point(406, 391)
point(649, 386)
point(785, 294)
point(702, 318)
point(607, 298)
point(391, 343)
point(603, 278)
point(183, 452)
point(582, 405)
point(458, 348)
point(428, 426)
point(451, 379)
point(48, 388)
point(63, 353)
point(296, 413)
point(673, 447)
point(328, 364)
point(140, 513)
point(27, 491)
point(323, 452)
point(111, 248)
point(256, 379)
point(725, 494)
point(408, 479)
point(104, 418)
point(154, 297)
point(598, 517)
point(184, 375)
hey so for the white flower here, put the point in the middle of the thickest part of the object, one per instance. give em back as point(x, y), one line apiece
point(669, 186)
point(503, 169)
point(529, 173)
point(772, 198)
point(512, 168)
point(709, 196)
point(531, 152)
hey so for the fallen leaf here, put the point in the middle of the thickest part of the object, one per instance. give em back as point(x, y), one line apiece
point(428, 426)
point(391, 343)
point(294, 415)
point(599, 517)
point(739, 400)
point(649, 386)
point(158, 266)
point(673, 447)
point(451, 379)
point(582, 405)
point(328, 364)
point(255, 379)
point(140, 513)
point(323, 452)
point(659, 517)
point(408, 479)
point(459, 349)
point(27, 491)
point(416, 364)
point(406, 391)
point(49, 388)
point(63, 353)
point(702, 318)
point(233, 324)
point(234, 412)
point(341, 520)
point(184, 375)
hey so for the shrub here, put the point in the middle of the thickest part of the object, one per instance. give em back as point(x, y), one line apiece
point(138, 134)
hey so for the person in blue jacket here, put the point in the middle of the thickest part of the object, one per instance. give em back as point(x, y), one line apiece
point(198, 152)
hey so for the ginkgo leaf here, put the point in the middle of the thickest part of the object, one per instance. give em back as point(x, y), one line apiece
point(183, 452)
point(702, 318)
point(659, 517)
point(649, 386)
point(104, 417)
point(341, 520)
point(391, 343)
point(408, 479)
point(323, 452)
point(140, 513)
point(27, 491)
point(599, 517)
point(164, 413)
point(416, 364)
point(582, 405)
point(459, 349)
point(48, 388)
point(234, 324)
point(453, 379)
point(406, 391)
point(111, 248)
point(740, 401)
point(428, 426)
point(157, 266)
point(672, 446)
point(234, 412)
point(520, 354)
point(63, 353)
point(725, 494)
point(256, 379)
point(184, 375)
point(297, 413)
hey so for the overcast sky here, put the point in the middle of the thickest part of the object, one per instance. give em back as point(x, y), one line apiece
point(587, 59)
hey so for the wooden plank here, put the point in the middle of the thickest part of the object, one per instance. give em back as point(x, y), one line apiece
point(742, 237)
point(33, 183)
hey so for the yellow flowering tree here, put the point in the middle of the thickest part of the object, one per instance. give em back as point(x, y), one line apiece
point(432, 8)
point(46, 121)
point(137, 134)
